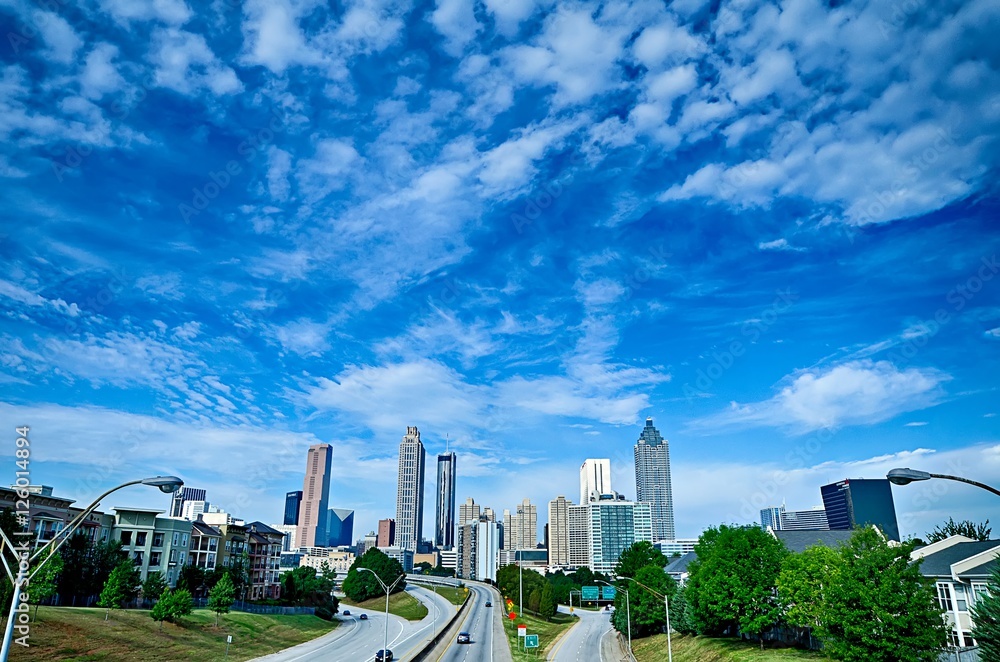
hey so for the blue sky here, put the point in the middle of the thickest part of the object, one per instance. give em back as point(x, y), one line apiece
point(231, 230)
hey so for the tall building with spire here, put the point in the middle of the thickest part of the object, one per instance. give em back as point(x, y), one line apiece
point(444, 530)
point(313, 508)
point(410, 491)
point(652, 480)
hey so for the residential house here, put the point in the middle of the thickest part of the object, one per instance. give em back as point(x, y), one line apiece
point(156, 544)
point(205, 541)
point(264, 547)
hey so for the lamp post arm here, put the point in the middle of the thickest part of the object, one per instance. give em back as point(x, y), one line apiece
point(76, 521)
point(7, 543)
point(970, 482)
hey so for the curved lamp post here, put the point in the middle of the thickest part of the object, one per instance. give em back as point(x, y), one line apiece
point(387, 589)
point(166, 484)
point(907, 476)
point(666, 605)
point(628, 616)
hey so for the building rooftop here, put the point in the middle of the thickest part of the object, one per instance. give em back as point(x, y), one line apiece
point(800, 541)
point(938, 564)
point(130, 509)
point(681, 565)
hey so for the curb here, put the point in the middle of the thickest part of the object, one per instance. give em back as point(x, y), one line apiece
point(554, 647)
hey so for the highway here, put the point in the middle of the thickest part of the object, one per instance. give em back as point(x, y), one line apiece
point(355, 640)
point(485, 625)
point(583, 642)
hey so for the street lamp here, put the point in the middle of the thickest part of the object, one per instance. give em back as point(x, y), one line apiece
point(628, 616)
point(907, 476)
point(166, 484)
point(666, 605)
point(388, 589)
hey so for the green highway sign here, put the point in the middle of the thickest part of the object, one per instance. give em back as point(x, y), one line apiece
point(608, 592)
point(531, 641)
point(590, 592)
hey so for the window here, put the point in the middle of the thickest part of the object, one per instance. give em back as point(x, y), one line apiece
point(211, 561)
point(140, 539)
point(126, 537)
point(954, 639)
point(176, 535)
point(173, 556)
point(154, 559)
point(960, 598)
point(944, 596)
point(184, 540)
point(157, 540)
point(184, 558)
point(138, 558)
point(213, 543)
point(979, 591)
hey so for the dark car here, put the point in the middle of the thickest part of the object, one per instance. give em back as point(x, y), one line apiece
point(383, 656)
point(489, 604)
point(347, 612)
point(464, 638)
point(363, 617)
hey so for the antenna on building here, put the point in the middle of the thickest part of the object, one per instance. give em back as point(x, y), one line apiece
point(447, 443)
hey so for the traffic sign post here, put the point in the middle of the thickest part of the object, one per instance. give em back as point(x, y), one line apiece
point(590, 593)
point(608, 592)
point(522, 633)
point(531, 641)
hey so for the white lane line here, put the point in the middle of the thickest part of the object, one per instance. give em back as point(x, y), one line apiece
point(333, 640)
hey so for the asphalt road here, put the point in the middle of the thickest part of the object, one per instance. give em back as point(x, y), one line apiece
point(583, 642)
point(485, 624)
point(357, 641)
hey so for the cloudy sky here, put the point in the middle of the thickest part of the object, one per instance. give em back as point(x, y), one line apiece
point(234, 229)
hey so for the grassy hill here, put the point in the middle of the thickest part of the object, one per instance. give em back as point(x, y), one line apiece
point(78, 634)
point(401, 604)
point(705, 649)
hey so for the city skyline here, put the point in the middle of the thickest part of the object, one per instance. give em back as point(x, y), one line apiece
point(229, 238)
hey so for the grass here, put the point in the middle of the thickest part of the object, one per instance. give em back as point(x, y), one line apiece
point(547, 631)
point(705, 649)
point(82, 635)
point(454, 595)
point(401, 604)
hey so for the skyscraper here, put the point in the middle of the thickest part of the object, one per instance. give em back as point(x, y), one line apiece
point(468, 511)
point(386, 532)
point(520, 529)
point(602, 530)
point(410, 491)
point(595, 478)
point(444, 531)
point(652, 480)
point(182, 495)
point(558, 543)
point(339, 527)
point(579, 535)
point(293, 500)
point(315, 494)
point(861, 502)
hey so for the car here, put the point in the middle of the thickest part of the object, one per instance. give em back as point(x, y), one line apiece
point(464, 638)
point(489, 604)
point(347, 612)
point(384, 655)
point(363, 617)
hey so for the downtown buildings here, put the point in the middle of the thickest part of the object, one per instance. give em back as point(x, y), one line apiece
point(410, 491)
point(315, 494)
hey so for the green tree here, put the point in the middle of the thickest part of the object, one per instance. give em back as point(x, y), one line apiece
point(804, 582)
point(192, 578)
point(547, 603)
point(360, 586)
point(645, 605)
point(172, 606)
point(638, 556)
point(681, 618)
point(222, 596)
point(86, 567)
point(122, 586)
point(154, 586)
point(304, 586)
point(967, 528)
point(881, 609)
point(45, 584)
point(732, 582)
point(986, 616)
point(510, 579)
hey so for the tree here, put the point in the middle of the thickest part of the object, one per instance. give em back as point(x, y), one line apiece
point(87, 566)
point(681, 618)
point(45, 584)
point(422, 568)
point(732, 582)
point(304, 586)
point(646, 608)
point(192, 578)
point(510, 580)
point(967, 528)
point(154, 586)
point(986, 616)
point(121, 587)
point(804, 582)
point(222, 596)
point(880, 609)
point(172, 606)
point(547, 602)
point(637, 556)
point(361, 586)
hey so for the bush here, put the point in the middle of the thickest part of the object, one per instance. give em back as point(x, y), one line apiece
point(324, 613)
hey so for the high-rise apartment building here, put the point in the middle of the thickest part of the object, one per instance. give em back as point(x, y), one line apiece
point(595, 479)
point(315, 495)
point(614, 526)
point(410, 491)
point(293, 501)
point(386, 532)
point(182, 495)
point(652, 480)
point(857, 502)
point(558, 531)
point(477, 550)
point(339, 527)
point(194, 509)
point(468, 511)
point(579, 535)
point(520, 529)
point(771, 517)
point(444, 530)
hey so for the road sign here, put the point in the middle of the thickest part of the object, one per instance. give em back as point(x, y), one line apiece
point(229, 639)
point(608, 592)
point(531, 641)
point(512, 615)
point(522, 630)
point(589, 592)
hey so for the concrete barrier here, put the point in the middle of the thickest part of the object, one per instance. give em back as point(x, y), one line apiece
point(447, 633)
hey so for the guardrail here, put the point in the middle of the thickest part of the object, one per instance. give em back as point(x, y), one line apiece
point(431, 579)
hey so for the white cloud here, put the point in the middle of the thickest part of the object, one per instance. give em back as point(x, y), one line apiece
point(509, 14)
point(279, 164)
point(273, 37)
point(185, 63)
point(304, 337)
point(853, 393)
point(456, 21)
point(915, 424)
point(17, 293)
point(100, 76)
point(60, 38)
point(328, 170)
point(778, 245)
point(171, 12)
